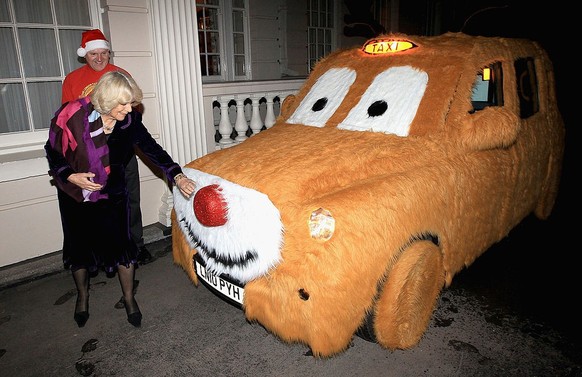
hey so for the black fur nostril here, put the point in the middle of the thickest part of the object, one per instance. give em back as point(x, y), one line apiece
point(377, 108)
point(319, 104)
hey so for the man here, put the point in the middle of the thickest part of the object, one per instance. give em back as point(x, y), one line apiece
point(79, 83)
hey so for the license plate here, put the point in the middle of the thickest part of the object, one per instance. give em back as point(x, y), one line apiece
point(221, 286)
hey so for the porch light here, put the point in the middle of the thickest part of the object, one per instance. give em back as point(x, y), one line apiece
point(486, 74)
point(321, 225)
point(386, 46)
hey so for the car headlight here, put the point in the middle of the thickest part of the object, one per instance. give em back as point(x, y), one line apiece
point(321, 225)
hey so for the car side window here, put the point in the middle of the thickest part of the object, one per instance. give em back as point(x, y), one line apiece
point(527, 87)
point(488, 87)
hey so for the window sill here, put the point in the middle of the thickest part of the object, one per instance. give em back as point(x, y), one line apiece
point(29, 154)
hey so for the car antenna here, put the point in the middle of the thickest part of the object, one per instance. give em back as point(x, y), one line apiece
point(480, 11)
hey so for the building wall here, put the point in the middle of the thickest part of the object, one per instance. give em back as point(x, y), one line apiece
point(29, 212)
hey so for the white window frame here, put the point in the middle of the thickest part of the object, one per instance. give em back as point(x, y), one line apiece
point(29, 144)
point(318, 47)
point(226, 43)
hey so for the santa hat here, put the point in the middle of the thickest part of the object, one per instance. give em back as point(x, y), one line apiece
point(92, 40)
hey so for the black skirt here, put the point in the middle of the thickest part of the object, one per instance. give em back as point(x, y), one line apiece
point(96, 234)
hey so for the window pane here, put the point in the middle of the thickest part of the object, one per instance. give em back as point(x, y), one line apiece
point(9, 67)
point(72, 12)
point(203, 64)
point(239, 44)
point(200, 15)
point(238, 3)
point(33, 11)
point(239, 65)
point(214, 45)
point(13, 116)
point(313, 19)
point(211, 19)
point(45, 99)
point(202, 42)
point(237, 22)
point(69, 43)
point(4, 15)
point(39, 52)
point(214, 65)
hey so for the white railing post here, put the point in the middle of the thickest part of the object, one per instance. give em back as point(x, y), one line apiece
point(224, 127)
point(240, 125)
point(256, 124)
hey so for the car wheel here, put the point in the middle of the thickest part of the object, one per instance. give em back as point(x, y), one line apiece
point(407, 298)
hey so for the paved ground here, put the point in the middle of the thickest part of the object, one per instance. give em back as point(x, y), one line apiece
point(501, 317)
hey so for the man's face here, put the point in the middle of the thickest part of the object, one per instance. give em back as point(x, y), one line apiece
point(98, 58)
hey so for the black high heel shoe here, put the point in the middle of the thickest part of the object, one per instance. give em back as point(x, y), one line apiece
point(81, 316)
point(135, 316)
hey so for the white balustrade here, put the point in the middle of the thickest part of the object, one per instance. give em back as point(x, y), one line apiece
point(245, 108)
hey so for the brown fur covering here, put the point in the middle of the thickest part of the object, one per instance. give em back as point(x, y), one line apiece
point(466, 179)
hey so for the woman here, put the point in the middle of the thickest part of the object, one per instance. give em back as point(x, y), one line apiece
point(90, 142)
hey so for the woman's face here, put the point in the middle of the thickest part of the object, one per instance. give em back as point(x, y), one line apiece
point(120, 111)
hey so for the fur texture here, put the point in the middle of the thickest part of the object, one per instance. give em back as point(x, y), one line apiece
point(418, 184)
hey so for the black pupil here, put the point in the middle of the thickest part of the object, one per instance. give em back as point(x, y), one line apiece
point(377, 108)
point(319, 105)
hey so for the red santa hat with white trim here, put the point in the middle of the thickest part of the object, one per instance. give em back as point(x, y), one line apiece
point(92, 40)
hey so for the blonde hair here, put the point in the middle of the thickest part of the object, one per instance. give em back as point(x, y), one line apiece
point(115, 88)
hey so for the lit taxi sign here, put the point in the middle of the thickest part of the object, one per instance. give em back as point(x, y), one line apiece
point(386, 46)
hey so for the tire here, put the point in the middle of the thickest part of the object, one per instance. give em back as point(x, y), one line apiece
point(366, 330)
point(407, 298)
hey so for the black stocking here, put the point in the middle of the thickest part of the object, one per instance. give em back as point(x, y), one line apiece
point(126, 276)
point(81, 277)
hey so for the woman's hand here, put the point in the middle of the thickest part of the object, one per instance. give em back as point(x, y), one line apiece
point(185, 184)
point(85, 181)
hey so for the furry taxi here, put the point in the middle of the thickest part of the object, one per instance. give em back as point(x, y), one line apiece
point(393, 168)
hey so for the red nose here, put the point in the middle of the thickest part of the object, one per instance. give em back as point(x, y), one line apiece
point(209, 206)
